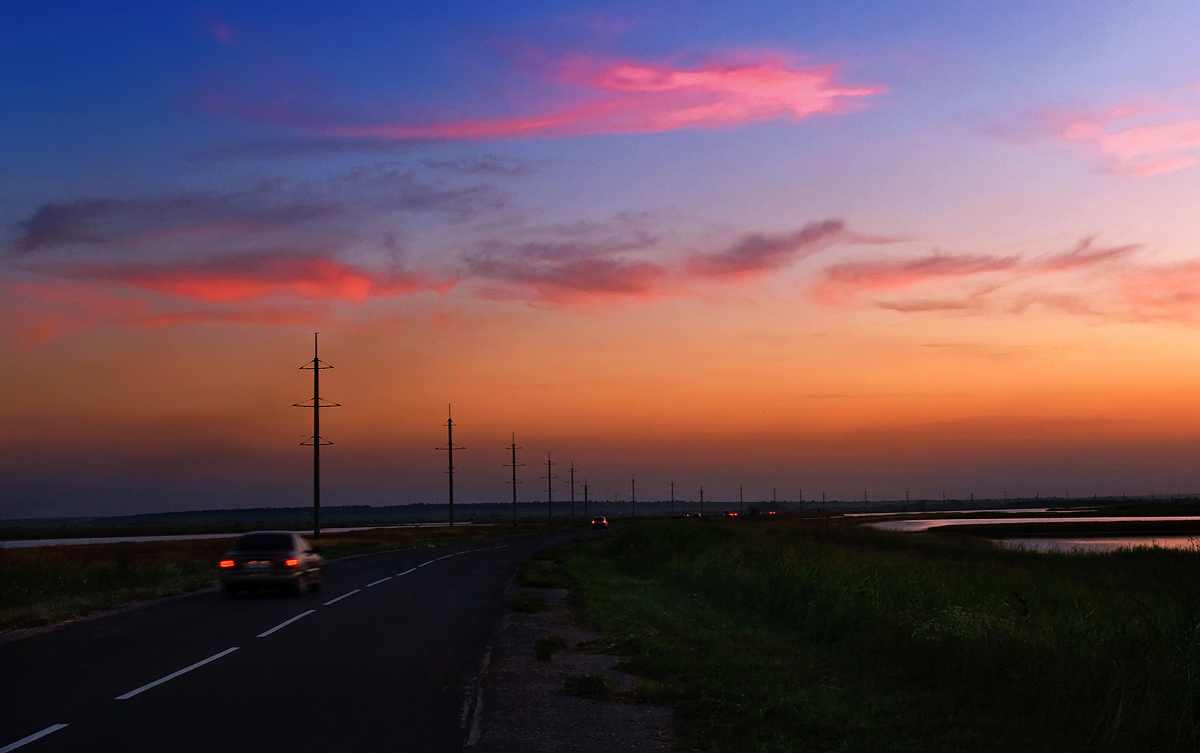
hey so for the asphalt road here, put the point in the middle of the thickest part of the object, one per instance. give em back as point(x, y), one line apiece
point(381, 659)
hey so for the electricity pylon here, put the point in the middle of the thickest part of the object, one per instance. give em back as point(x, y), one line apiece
point(572, 488)
point(549, 487)
point(514, 465)
point(317, 366)
point(450, 447)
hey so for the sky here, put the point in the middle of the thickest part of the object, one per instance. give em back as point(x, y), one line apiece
point(855, 248)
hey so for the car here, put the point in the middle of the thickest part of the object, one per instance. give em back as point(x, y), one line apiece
point(271, 559)
point(599, 522)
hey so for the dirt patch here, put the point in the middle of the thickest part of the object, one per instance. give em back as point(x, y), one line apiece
point(526, 708)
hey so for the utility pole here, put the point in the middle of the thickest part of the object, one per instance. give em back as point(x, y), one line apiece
point(450, 448)
point(672, 497)
point(633, 496)
point(741, 499)
point(572, 488)
point(514, 465)
point(702, 500)
point(317, 365)
point(549, 487)
point(774, 501)
point(585, 498)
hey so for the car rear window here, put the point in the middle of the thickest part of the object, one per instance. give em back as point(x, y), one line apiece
point(264, 542)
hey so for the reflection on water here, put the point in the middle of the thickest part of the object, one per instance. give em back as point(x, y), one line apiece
point(924, 525)
point(1101, 544)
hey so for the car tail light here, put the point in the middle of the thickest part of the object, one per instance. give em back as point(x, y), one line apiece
point(227, 563)
point(291, 562)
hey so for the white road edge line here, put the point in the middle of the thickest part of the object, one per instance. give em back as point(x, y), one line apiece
point(173, 675)
point(31, 738)
point(376, 583)
point(423, 564)
point(406, 572)
point(285, 623)
point(439, 559)
point(334, 601)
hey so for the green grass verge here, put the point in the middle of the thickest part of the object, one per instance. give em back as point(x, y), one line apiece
point(46, 585)
point(775, 636)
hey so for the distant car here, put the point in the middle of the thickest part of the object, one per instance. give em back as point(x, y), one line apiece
point(599, 522)
point(729, 514)
point(271, 559)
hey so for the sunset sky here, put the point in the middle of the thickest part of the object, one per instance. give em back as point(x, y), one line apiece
point(853, 246)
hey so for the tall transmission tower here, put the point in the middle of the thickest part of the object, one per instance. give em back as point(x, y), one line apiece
point(549, 486)
point(450, 447)
point(514, 465)
point(317, 366)
point(572, 488)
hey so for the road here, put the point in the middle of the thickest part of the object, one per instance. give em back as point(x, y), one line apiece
point(380, 659)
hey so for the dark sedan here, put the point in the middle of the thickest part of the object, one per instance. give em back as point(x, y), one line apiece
point(271, 559)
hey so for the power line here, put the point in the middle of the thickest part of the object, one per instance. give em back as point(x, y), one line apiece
point(317, 366)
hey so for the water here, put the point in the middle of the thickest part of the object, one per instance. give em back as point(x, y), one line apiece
point(1066, 543)
point(925, 525)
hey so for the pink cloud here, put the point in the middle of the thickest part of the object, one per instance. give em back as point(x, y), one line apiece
point(1169, 292)
point(633, 97)
point(234, 278)
point(41, 311)
point(1139, 138)
point(757, 254)
point(843, 282)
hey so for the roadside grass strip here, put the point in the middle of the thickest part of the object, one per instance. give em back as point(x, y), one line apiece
point(285, 623)
point(334, 601)
point(31, 738)
point(173, 675)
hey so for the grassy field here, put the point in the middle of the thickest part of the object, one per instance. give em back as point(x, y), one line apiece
point(780, 635)
point(45, 585)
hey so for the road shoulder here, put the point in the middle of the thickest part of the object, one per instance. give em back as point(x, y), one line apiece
point(525, 706)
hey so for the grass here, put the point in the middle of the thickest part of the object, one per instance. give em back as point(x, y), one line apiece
point(775, 636)
point(546, 646)
point(46, 585)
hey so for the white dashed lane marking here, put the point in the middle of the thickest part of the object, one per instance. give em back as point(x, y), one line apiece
point(406, 572)
point(173, 675)
point(376, 583)
point(334, 601)
point(31, 738)
point(285, 623)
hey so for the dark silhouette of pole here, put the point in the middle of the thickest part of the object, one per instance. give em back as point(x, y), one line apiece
point(572, 488)
point(450, 447)
point(702, 500)
point(741, 499)
point(585, 498)
point(549, 487)
point(672, 497)
point(633, 496)
point(317, 365)
point(514, 465)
